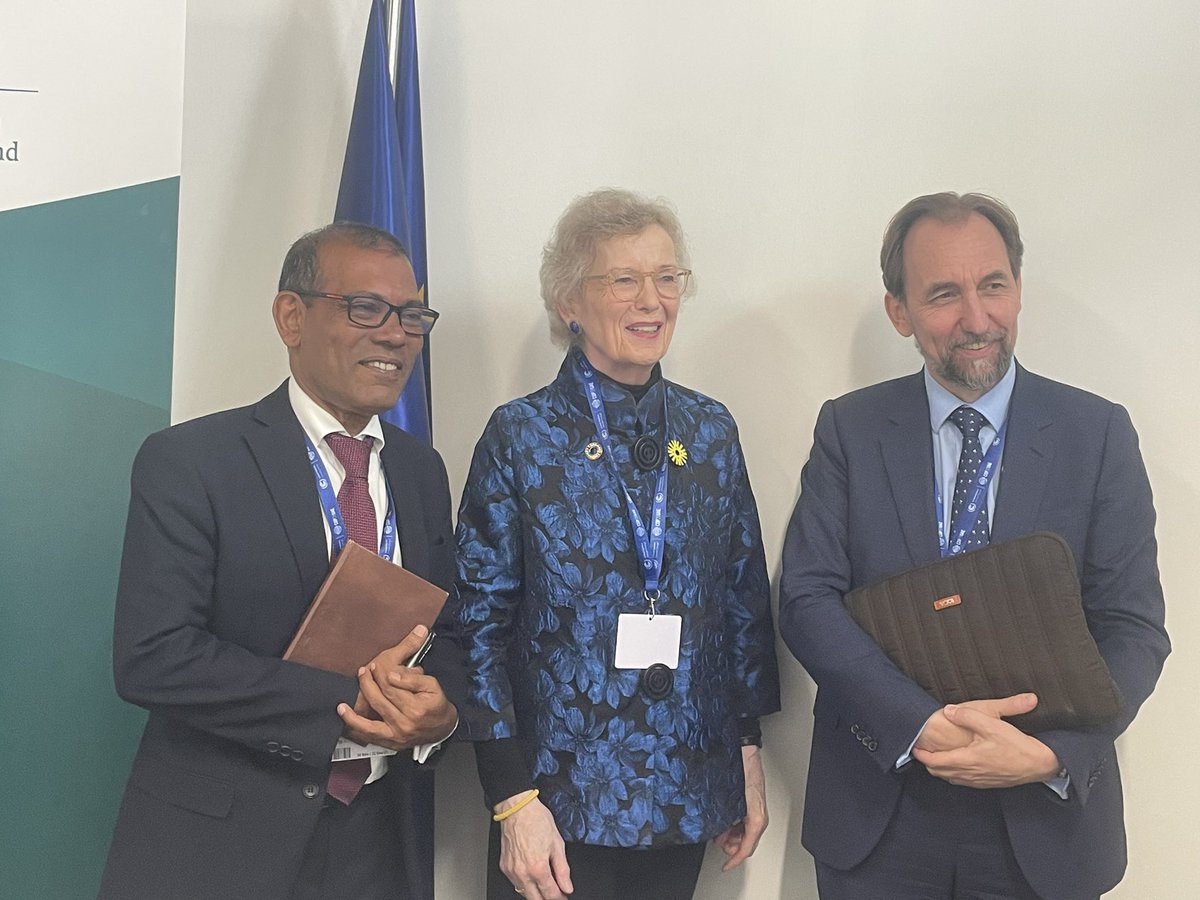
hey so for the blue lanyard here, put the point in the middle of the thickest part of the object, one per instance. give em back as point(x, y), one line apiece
point(649, 544)
point(333, 512)
point(976, 500)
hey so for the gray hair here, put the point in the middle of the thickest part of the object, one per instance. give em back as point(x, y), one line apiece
point(587, 222)
point(950, 208)
point(301, 267)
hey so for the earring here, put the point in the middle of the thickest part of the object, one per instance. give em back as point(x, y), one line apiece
point(574, 327)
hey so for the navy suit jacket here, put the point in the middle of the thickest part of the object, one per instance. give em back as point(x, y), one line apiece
point(224, 551)
point(866, 510)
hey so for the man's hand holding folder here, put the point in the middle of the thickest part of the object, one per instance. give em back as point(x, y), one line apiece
point(366, 604)
point(398, 705)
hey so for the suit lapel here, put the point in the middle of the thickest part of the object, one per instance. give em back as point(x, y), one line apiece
point(1028, 449)
point(906, 444)
point(414, 542)
point(276, 442)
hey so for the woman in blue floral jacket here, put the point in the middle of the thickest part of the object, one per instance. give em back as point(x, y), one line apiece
point(614, 593)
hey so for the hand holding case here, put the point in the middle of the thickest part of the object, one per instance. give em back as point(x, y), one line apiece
point(994, 622)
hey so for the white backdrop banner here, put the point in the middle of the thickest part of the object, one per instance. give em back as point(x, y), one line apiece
point(91, 96)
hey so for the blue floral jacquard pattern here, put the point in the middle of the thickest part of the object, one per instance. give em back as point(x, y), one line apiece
point(547, 563)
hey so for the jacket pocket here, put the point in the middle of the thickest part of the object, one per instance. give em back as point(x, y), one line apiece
point(198, 793)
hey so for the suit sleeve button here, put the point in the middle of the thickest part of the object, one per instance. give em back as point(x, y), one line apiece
point(854, 730)
point(872, 745)
point(297, 755)
point(311, 790)
point(272, 746)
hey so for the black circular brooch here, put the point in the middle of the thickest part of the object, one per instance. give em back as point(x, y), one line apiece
point(647, 453)
point(657, 681)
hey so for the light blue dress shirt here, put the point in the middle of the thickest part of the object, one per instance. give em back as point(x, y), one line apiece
point(947, 439)
point(947, 447)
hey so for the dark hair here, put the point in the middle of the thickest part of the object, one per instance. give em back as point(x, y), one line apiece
point(945, 207)
point(301, 267)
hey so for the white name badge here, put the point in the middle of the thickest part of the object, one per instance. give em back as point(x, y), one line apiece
point(348, 749)
point(643, 641)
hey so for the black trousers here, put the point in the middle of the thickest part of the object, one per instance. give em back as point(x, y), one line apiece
point(943, 843)
point(354, 851)
point(605, 873)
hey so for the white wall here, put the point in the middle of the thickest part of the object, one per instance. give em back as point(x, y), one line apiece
point(786, 133)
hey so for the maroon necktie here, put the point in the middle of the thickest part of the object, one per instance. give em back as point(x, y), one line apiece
point(348, 776)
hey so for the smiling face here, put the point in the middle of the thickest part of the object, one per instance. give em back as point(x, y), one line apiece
point(624, 340)
point(352, 372)
point(961, 303)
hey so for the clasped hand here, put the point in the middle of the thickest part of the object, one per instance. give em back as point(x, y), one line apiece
point(398, 707)
point(970, 744)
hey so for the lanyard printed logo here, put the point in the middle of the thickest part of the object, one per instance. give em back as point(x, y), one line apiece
point(648, 542)
point(976, 500)
point(333, 512)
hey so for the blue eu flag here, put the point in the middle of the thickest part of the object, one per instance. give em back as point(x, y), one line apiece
point(383, 182)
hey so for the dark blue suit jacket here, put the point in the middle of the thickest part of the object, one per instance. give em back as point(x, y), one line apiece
point(224, 551)
point(1071, 466)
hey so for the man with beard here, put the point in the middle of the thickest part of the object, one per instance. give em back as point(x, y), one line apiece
point(907, 798)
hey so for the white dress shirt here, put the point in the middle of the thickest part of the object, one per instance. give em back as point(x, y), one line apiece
point(318, 422)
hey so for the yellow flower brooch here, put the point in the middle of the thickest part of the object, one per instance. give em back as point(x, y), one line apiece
point(676, 453)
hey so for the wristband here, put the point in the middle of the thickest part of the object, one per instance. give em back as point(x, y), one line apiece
point(520, 804)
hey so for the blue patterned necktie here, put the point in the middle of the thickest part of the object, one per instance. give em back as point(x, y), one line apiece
point(347, 777)
point(969, 421)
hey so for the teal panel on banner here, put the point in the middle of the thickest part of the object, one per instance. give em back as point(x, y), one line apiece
point(86, 312)
point(88, 288)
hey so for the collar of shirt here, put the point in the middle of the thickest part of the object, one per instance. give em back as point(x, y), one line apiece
point(947, 439)
point(993, 404)
point(626, 412)
point(318, 422)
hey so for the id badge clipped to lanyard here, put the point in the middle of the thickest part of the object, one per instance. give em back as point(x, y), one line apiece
point(648, 641)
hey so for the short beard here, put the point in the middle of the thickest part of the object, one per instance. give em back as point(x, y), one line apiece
point(980, 376)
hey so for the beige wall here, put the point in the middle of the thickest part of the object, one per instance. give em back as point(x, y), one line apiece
point(786, 133)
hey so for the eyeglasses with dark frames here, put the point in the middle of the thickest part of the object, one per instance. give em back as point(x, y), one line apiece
point(626, 284)
point(370, 311)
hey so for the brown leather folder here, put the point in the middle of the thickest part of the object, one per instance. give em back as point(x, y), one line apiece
point(997, 621)
point(366, 605)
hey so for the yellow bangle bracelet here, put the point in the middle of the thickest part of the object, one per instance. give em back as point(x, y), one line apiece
point(520, 804)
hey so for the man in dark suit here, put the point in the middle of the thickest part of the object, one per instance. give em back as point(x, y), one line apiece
point(229, 536)
point(906, 798)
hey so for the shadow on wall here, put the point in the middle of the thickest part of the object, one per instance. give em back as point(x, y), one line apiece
point(877, 351)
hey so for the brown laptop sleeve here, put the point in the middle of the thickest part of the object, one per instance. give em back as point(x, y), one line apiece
point(998, 621)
